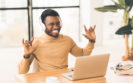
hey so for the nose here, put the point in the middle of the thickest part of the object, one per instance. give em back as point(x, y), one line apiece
point(56, 26)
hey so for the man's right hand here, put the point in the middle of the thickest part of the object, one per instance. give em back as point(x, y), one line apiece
point(28, 48)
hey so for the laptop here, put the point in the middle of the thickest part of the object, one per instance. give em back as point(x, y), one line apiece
point(89, 67)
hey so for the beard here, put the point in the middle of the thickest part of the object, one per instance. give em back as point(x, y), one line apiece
point(50, 32)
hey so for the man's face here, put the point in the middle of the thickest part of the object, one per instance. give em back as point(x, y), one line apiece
point(53, 26)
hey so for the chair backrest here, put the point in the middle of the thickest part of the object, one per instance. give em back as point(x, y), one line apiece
point(34, 67)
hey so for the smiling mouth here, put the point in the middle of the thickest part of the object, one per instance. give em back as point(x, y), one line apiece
point(55, 31)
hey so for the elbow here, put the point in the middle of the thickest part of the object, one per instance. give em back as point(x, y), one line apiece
point(22, 70)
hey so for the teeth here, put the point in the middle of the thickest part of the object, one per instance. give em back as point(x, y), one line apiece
point(55, 30)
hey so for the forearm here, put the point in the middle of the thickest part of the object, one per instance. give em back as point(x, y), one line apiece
point(77, 51)
point(88, 49)
point(24, 65)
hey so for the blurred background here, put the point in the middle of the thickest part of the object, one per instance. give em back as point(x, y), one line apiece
point(21, 19)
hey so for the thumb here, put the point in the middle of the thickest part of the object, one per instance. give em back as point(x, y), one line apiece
point(23, 41)
point(32, 39)
point(84, 35)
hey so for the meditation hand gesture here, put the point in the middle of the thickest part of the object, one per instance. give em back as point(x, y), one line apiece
point(28, 48)
point(90, 33)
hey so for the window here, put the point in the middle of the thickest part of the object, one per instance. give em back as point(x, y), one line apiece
point(68, 10)
point(111, 25)
point(70, 20)
point(18, 16)
point(55, 3)
point(13, 23)
point(13, 3)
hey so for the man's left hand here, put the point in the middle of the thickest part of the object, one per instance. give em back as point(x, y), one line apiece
point(90, 33)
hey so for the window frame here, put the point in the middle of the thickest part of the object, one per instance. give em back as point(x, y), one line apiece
point(30, 9)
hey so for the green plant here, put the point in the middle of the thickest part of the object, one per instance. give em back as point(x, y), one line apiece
point(126, 7)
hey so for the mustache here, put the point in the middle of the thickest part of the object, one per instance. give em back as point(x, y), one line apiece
point(46, 30)
point(49, 32)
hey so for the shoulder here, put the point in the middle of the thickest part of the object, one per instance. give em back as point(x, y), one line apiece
point(37, 40)
point(67, 38)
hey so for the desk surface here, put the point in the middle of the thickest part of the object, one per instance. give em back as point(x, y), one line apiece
point(109, 78)
point(40, 78)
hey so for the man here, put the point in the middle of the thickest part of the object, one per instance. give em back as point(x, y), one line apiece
point(51, 49)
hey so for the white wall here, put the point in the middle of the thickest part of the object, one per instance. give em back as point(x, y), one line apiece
point(89, 16)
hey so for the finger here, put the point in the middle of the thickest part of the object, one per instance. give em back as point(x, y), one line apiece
point(84, 35)
point(27, 42)
point(85, 28)
point(87, 36)
point(94, 27)
point(23, 41)
point(32, 39)
point(91, 28)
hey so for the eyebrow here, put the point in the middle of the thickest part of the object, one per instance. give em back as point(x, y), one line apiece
point(54, 23)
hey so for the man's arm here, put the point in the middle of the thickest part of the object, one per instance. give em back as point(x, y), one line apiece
point(90, 35)
point(24, 65)
point(77, 51)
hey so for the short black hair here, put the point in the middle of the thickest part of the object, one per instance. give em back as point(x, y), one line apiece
point(48, 12)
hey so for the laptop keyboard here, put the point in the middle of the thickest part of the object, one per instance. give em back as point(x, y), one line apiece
point(70, 74)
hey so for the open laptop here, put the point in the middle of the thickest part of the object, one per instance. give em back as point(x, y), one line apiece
point(88, 67)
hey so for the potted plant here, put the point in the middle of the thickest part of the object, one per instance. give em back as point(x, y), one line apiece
point(126, 30)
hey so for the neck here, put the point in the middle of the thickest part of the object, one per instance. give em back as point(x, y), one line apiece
point(52, 35)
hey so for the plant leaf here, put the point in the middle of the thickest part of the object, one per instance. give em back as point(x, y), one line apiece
point(108, 8)
point(132, 22)
point(132, 3)
point(130, 6)
point(121, 2)
point(128, 2)
point(124, 30)
point(119, 6)
point(126, 17)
